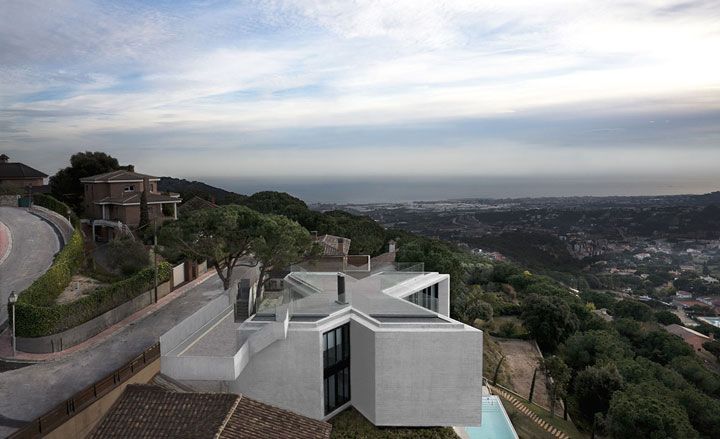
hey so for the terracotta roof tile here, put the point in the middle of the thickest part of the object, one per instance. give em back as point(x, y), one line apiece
point(119, 175)
point(150, 411)
point(253, 419)
point(145, 411)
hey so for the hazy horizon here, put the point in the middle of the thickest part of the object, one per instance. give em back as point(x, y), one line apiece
point(394, 189)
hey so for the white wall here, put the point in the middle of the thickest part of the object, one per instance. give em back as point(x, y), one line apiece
point(287, 374)
point(428, 378)
point(362, 369)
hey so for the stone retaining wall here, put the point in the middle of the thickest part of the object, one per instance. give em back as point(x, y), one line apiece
point(9, 200)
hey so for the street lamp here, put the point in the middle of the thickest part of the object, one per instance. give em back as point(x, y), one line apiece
point(11, 300)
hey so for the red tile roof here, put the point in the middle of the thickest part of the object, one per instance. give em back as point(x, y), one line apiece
point(145, 411)
point(151, 411)
point(253, 419)
point(119, 175)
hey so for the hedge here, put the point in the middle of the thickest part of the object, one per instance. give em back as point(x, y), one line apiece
point(35, 320)
point(50, 202)
point(46, 289)
point(37, 313)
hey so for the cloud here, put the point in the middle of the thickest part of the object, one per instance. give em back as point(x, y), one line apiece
point(264, 77)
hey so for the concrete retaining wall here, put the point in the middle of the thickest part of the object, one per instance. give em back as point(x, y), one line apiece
point(60, 222)
point(178, 275)
point(80, 333)
point(183, 330)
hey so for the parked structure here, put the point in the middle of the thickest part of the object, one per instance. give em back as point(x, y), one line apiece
point(19, 175)
point(381, 341)
point(112, 200)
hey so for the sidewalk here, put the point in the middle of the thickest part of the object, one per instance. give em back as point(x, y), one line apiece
point(6, 341)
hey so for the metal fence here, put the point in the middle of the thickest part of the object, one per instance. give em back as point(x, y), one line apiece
point(81, 400)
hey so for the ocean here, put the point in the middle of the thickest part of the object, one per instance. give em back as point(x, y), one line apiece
point(401, 189)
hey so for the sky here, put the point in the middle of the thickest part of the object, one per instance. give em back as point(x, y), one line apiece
point(311, 89)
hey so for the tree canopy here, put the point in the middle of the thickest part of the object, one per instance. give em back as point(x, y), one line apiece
point(66, 186)
point(549, 320)
point(223, 236)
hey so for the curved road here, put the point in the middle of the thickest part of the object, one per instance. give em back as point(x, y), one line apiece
point(31, 391)
point(34, 243)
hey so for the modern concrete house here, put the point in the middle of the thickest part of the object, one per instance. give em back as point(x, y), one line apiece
point(112, 200)
point(380, 340)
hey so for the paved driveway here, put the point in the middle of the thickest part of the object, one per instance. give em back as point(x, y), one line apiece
point(31, 391)
point(34, 243)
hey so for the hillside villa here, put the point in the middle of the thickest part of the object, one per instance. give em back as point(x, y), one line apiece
point(112, 201)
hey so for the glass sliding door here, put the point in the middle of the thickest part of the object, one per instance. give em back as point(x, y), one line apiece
point(336, 367)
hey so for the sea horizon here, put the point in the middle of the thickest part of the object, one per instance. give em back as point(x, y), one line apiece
point(406, 189)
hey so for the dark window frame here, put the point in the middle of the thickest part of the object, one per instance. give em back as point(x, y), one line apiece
point(336, 367)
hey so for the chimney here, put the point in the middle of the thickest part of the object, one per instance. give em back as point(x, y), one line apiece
point(341, 245)
point(4, 158)
point(341, 288)
point(314, 234)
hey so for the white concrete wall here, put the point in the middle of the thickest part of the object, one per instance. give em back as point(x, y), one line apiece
point(444, 297)
point(362, 369)
point(428, 378)
point(186, 328)
point(178, 275)
point(287, 374)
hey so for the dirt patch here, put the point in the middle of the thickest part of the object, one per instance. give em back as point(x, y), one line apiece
point(521, 359)
point(80, 286)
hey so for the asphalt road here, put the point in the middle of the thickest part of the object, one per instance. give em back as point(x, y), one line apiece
point(31, 391)
point(34, 243)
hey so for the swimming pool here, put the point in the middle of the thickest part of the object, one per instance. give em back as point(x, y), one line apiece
point(715, 321)
point(495, 422)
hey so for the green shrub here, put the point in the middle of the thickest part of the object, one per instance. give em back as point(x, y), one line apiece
point(37, 320)
point(127, 256)
point(50, 202)
point(46, 289)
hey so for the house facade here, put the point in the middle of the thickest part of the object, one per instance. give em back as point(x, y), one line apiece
point(114, 197)
point(382, 342)
point(19, 175)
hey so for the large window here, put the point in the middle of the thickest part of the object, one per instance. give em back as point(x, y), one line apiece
point(336, 367)
point(427, 298)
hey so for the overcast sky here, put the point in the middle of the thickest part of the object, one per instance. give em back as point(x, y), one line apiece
point(365, 88)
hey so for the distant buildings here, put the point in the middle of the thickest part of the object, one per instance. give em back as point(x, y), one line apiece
point(683, 295)
point(691, 337)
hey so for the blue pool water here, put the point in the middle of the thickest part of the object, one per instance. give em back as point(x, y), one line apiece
point(715, 321)
point(495, 422)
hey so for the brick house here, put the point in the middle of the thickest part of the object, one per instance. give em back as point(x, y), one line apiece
point(113, 199)
point(19, 175)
